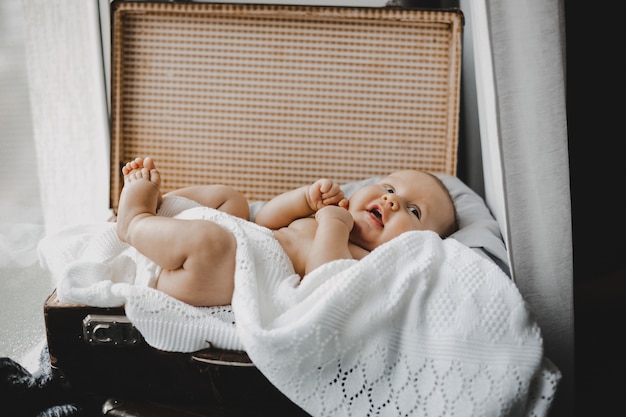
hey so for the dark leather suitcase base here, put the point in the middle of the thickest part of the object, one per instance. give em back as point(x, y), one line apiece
point(119, 363)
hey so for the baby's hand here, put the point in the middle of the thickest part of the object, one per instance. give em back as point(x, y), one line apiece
point(330, 213)
point(324, 193)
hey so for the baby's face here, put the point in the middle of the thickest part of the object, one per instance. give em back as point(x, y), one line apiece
point(403, 201)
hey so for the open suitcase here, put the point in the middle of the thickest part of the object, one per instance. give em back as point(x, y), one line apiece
point(264, 98)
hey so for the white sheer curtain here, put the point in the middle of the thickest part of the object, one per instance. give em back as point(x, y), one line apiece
point(519, 52)
point(21, 215)
point(68, 104)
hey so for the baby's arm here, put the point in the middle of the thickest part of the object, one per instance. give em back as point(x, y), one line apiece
point(331, 238)
point(299, 203)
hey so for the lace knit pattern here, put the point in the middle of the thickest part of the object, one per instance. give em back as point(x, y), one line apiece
point(420, 327)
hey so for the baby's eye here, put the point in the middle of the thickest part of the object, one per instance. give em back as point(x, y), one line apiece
point(416, 212)
point(389, 189)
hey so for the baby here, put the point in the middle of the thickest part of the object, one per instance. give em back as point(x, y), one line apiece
point(313, 224)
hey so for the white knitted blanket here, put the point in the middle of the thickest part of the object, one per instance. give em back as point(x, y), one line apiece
point(421, 326)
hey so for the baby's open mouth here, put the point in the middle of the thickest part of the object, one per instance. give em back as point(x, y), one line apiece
point(377, 216)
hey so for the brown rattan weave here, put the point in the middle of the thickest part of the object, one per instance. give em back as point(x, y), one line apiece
point(267, 98)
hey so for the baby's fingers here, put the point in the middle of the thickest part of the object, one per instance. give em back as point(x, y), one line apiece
point(333, 201)
point(333, 190)
point(325, 186)
point(333, 196)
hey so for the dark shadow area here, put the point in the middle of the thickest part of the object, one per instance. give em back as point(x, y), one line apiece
point(595, 107)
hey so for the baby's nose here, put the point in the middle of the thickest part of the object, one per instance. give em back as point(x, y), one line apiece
point(391, 200)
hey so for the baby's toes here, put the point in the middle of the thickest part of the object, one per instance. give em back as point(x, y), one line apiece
point(155, 177)
point(131, 166)
point(137, 163)
point(128, 176)
point(142, 173)
point(148, 163)
point(136, 174)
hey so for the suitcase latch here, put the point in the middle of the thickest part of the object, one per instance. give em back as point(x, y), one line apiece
point(99, 329)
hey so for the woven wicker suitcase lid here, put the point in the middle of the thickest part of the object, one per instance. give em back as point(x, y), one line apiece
point(267, 98)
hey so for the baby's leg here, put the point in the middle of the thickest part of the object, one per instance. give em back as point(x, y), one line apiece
point(220, 197)
point(197, 257)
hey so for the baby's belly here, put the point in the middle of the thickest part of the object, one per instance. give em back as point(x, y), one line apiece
point(296, 246)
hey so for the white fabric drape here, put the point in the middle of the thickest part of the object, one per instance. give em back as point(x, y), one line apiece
point(520, 69)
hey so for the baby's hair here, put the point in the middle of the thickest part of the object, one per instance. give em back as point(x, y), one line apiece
point(455, 224)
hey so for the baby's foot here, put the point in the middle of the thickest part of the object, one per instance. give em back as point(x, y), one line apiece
point(136, 166)
point(140, 198)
